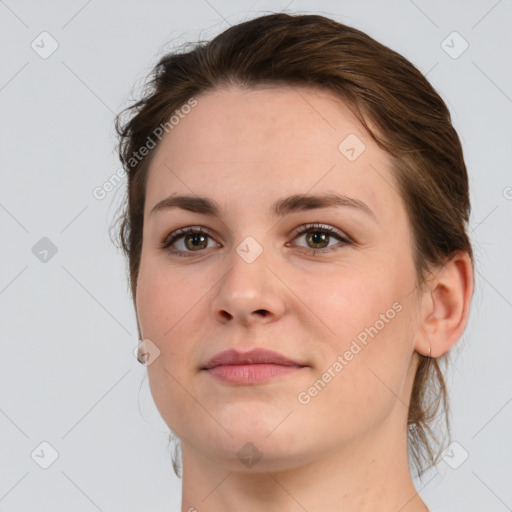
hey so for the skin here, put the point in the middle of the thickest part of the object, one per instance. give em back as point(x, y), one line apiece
point(346, 449)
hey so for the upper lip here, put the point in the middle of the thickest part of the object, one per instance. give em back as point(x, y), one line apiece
point(255, 356)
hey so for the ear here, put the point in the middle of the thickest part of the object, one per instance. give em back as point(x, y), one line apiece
point(445, 306)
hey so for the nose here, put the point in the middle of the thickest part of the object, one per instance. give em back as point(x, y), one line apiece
point(248, 293)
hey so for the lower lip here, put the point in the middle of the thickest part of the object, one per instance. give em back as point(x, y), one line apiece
point(251, 373)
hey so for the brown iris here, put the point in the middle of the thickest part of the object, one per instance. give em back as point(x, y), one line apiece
point(316, 238)
point(196, 241)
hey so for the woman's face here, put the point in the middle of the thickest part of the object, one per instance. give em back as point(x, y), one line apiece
point(327, 284)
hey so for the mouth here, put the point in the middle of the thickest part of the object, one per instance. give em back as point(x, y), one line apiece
point(255, 367)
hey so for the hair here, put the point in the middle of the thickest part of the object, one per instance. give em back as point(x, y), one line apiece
point(412, 124)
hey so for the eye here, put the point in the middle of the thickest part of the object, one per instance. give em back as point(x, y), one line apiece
point(318, 238)
point(195, 239)
point(188, 240)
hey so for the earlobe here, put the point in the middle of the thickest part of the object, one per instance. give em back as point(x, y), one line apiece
point(446, 305)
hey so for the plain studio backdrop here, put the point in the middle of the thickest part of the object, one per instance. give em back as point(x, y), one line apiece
point(79, 429)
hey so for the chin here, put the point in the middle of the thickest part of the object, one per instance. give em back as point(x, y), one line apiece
point(257, 420)
point(254, 454)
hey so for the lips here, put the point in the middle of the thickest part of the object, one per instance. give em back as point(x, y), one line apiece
point(256, 367)
point(256, 356)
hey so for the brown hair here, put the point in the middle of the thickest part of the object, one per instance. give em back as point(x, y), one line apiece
point(379, 85)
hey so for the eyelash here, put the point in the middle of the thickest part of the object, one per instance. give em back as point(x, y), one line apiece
point(344, 239)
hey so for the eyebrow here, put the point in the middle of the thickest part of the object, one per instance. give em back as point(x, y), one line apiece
point(282, 207)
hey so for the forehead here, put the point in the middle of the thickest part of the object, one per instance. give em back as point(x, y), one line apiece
point(239, 123)
point(266, 142)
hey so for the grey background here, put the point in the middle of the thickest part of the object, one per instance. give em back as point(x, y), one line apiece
point(68, 373)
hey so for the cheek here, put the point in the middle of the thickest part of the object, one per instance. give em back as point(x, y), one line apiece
point(362, 334)
point(346, 299)
point(166, 308)
point(163, 300)
point(361, 376)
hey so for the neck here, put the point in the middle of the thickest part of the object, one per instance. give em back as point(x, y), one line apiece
point(371, 475)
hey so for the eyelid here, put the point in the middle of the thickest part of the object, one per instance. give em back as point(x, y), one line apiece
point(343, 235)
point(185, 231)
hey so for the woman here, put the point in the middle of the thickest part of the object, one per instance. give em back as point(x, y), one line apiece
point(296, 232)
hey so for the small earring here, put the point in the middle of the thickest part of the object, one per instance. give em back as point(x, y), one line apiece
point(146, 352)
point(139, 358)
point(141, 355)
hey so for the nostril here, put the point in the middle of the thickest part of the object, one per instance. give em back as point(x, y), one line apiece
point(262, 312)
point(226, 315)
